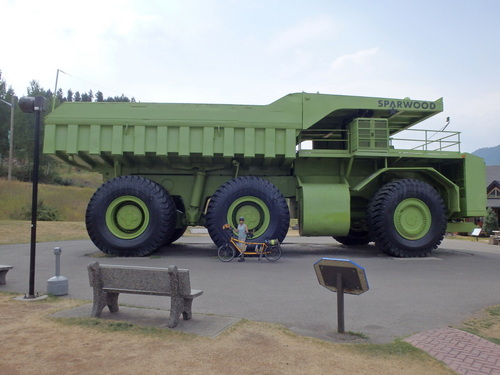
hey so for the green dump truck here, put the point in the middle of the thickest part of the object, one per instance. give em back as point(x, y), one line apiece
point(343, 166)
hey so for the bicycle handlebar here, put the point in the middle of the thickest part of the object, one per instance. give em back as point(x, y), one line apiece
point(230, 230)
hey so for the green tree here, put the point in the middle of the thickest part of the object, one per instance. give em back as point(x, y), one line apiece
point(6, 94)
point(4, 123)
point(24, 130)
point(99, 96)
point(34, 89)
point(117, 98)
point(87, 97)
point(2, 85)
point(24, 138)
point(60, 97)
point(490, 221)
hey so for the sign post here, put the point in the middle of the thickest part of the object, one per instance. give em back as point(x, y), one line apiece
point(341, 276)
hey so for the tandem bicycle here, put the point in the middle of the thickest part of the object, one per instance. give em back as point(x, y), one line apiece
point(270, 249)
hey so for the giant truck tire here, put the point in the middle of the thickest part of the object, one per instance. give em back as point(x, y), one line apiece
point(257, 200)
point(407, 218)
point(178, 232)
point(354, 238)
point(130, 216)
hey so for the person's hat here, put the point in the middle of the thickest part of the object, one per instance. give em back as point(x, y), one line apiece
point(242, 218)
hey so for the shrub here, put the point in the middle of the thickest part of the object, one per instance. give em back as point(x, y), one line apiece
point(43, 213)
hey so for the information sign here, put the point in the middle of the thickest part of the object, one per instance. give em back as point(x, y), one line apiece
point(341, 276)
point(353, 275)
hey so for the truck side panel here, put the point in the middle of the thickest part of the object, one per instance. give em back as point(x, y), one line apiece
point(473, 192)
point(98, 146)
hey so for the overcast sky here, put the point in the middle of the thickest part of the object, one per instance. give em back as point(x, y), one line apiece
point(256, 51)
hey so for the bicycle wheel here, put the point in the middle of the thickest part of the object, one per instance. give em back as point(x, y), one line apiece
point(273, 253)
point(225, 253)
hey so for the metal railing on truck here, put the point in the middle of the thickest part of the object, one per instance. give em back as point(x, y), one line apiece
point(344, 141)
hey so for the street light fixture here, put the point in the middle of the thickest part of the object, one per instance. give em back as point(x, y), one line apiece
point(11, 135)
point(29, 104)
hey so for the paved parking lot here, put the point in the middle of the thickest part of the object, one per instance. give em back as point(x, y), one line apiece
point(406, 296)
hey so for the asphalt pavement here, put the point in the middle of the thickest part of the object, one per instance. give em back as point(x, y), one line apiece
point(405, 296)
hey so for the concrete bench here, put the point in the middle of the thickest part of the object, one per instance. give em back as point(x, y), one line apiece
point(3, 272)
point(108, 281)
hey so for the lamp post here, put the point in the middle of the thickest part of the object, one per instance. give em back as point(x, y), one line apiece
point(11, 135)
point(29, 104)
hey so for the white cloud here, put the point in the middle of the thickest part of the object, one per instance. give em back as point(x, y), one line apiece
point(477, 119)
point(359, 59)
point(314, 30)
point(91, 40)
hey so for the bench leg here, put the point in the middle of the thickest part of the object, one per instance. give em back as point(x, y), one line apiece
point(176, 308)
point(103, 299)
point(99, 303)
point(112, 302)
point(186, 312)
point(3, 273)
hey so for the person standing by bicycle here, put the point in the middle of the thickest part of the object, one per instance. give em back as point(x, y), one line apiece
point(242, 236)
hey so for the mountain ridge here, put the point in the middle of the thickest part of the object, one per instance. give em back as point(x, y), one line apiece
point(491, 155)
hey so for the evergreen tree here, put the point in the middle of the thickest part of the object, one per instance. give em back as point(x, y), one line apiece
point(87, 97)
point(490, 222)
point(4, 124)
point(2, 86)
point(24, 130)
point(34, 89)
point(121, 98)
point(60, 97)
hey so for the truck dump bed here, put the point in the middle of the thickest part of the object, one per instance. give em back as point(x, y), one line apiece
point(93, 134)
